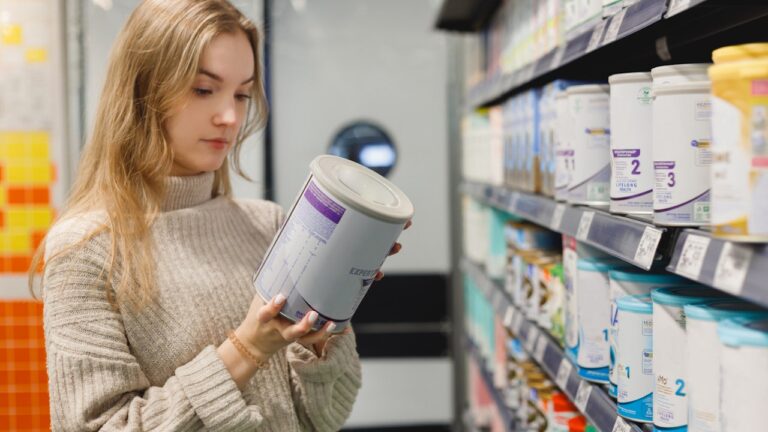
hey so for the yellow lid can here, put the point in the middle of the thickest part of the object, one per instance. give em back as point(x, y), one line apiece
point(735, 53)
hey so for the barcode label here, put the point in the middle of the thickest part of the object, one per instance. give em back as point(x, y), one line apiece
point(517, 324)
point(582, 395)
point(541, 347)
point(585, 223)
point(692, 256)
point(563, 372)
point(646, 250)
point(557, 217)
point(621, 426)
point(732, 267)
point(530, 341)
point(613, 28)
point(597, 36)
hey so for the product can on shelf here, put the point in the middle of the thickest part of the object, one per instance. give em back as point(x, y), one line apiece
point(740, 150)
point(745, 372)
point(335, 238)
point(635, 358)
point(563, 149)
point(681, 154)
point(703, 358)
point(670, 394)
point(631, 120)
point(590, 141)
point(626, 283)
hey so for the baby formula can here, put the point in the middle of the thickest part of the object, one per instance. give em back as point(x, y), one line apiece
point(703, 358)
point(631, 159)
point(681, 154)
point(591, 170)
point(626, 283)
point(563, 149)
point(679, 74)
point(740, 150)
point(745, 372)
point(670, 394)
point(594, 317)
point(335, 238)
point(635, 358)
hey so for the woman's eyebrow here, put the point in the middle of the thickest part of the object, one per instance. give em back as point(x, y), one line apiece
point(219, 79)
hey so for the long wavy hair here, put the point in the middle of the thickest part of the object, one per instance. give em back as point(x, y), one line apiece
point(151, 70)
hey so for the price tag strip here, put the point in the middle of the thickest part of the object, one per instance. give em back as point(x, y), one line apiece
point(646, 250)
point(557, 217)
point(563, 372)
point(582, 396)
point(621, 425)
point(732, 267)
point(613, 28)
point(597, 36)
point(585, 223)
point(557, 58)
point(531, 339)
point(517, 324)
point(692, 256)
point(508, 315)
point(541, 348)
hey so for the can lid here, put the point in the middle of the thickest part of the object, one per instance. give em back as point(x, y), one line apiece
point(591, 264)
point(688, 87)
point(630, 77)
point(725, 71)
point(683, 295)
point(717, 310)
point(680, 69)
point(649, 278)
point(744, 331)
point(362, 188)
point(588, 88)
point(636, 303)
point(740, 52)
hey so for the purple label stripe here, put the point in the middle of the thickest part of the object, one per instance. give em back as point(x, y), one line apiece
point(599, 173)
point(664, 164)
point(323, 203)
point(627, 153)
point(632, 196)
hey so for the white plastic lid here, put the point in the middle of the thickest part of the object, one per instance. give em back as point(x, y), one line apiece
point(588, 88)
point(689, 87)
point(362, 188)
point(630, 77)
point(681, 69)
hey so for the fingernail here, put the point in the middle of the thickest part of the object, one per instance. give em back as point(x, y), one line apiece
point(312, 317)
point(331, 327)
point(279, 299)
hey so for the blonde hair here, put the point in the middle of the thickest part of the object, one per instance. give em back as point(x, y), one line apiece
point(122, 170)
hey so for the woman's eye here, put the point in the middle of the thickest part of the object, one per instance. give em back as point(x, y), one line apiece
point(243, 97)
point(202, 91)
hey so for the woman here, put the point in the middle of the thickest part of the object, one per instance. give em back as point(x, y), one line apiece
point(150, 264)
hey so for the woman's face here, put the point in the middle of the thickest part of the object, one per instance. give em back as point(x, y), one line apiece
point(204, 128)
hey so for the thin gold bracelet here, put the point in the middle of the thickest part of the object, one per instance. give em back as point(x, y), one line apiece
point(260, 364)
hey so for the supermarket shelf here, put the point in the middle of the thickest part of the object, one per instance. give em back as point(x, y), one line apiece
point(639, 37)
point(740, 269)
point(592, 400)
point(466, 15)
point(506, 414)
point(633, 240)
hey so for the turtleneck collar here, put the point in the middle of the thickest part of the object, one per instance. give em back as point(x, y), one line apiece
point(187, 191)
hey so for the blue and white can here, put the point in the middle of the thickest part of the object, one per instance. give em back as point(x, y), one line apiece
point(670, 394)
point(635, 358)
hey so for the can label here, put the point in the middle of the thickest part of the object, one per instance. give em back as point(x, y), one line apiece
point(635, 366)
point(591, 168)
point(670, 394)
point(570, 259)
point(594, 319)
point(318, 260)
point(682, 158)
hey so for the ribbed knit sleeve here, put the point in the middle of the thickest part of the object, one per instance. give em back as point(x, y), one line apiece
point(96, 383)
point(325, 388)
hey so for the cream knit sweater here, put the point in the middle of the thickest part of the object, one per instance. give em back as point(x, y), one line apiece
point(158, 369)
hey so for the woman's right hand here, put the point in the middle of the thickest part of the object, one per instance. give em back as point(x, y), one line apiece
point(266, 332)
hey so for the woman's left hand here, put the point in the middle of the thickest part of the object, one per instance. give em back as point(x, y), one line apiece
point(318, 338)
